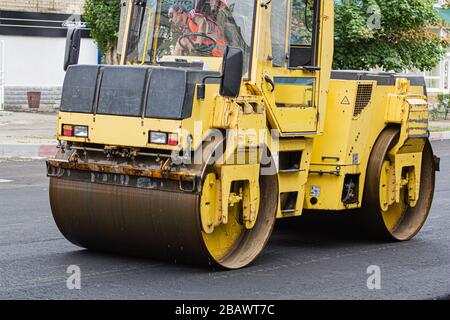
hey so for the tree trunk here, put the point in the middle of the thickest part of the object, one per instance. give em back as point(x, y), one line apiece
point(111, 57)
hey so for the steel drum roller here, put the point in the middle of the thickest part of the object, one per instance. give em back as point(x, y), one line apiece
point(162, 224)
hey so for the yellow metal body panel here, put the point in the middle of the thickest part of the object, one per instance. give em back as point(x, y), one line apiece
point(117, 131)
point(345, 147)
point(295, 102)
point(249, 195)
point(291, 182)
point(211, 216)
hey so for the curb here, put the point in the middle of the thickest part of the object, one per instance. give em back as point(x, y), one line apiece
point(439, 136)
point(27, 151)
point(44, 151)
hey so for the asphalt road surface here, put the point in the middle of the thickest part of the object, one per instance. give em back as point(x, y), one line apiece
point(304, 260)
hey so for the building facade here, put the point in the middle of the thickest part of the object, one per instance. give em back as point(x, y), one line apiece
point(32, 48)
point(438, 79)
point(45, 6)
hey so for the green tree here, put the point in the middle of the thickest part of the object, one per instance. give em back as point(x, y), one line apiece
point(402, 38)
point(103, 18)
point(444, 104)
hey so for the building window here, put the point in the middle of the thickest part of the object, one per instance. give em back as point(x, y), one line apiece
point(446, 66)
point(432, 78)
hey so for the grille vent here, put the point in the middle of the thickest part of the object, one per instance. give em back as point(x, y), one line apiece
point(363, 97)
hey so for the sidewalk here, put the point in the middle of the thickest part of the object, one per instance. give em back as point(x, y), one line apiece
point(32, 135)
point(440, 130)
point(27, 135)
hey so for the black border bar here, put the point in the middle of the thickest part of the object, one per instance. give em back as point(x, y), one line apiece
point(36, 24)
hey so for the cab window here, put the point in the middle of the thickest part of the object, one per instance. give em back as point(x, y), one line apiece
point(279, 33)
point(302, 33)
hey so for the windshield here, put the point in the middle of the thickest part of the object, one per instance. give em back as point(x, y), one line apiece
point(168, 30)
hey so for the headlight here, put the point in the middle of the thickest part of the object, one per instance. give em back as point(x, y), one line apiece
point(80, 131)
point(158, 137)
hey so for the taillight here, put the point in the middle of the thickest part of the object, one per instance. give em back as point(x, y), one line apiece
point(75, 131)
point(173, 139)
point(67, 130)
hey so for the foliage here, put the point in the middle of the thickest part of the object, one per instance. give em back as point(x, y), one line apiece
point(402, 40)
point(444, 103)
point(103, 18)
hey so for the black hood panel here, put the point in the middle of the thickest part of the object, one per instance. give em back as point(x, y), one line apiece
point(122, 91)
point(79, 89)
point(155, 92)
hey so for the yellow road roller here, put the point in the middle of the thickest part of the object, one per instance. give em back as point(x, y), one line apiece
point(224, 116)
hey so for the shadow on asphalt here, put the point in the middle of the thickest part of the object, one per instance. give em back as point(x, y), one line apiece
point(101, 258)
point(310, 231)
point(322, 229)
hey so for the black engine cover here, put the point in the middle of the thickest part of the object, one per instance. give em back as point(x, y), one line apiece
point(135, 91)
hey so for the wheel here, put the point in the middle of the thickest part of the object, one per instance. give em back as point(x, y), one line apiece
point(232, 245)
point(236, 243)
point(398, 221)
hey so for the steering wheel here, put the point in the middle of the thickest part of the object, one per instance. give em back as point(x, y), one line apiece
point(202, 49)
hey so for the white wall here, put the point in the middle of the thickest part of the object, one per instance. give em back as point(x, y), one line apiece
point(59, 6)
point(38, 61)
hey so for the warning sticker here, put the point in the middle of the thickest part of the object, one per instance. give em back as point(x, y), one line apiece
point(345, 100)
point(315, 191)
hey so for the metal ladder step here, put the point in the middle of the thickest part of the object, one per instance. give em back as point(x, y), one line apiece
point(295, 170)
